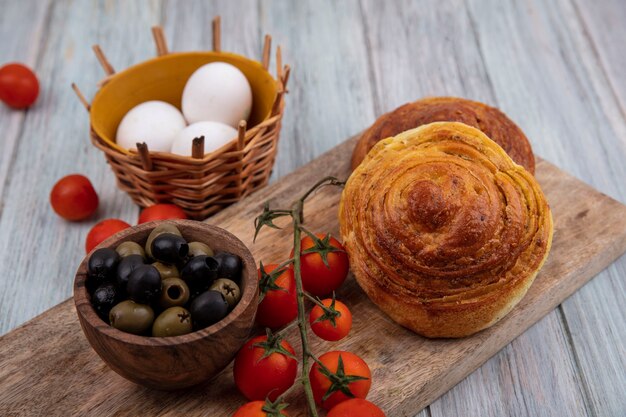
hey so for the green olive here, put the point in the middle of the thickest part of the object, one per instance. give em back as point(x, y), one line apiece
point(199, 248)
point(160, 229)
point(229, 290)
point(131, 317)
point(174, 321)
point(175, 293)
point(166, 271)
point(130, 248)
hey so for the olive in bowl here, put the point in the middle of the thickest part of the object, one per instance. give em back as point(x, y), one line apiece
point(178, 361)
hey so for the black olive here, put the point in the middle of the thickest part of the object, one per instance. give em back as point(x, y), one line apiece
point(169, 248)
point(144, 284)
point(103, 300)
point(199, 273)
point(229, 266)
point(101, 266)
point(126, 266)
point(208, 308)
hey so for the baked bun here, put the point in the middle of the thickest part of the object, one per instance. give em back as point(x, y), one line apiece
point(445, 233)
point(495, 124)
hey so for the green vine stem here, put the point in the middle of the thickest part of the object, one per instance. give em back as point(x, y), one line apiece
point(297, 218)
point(297, 215)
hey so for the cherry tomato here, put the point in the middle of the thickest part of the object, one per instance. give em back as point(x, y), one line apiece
point(74, 198)
point(279, 305)
point(350, 371)
point(355, 407)
point(259, 409)
point(317, 278)
point(102, 231)
point(161, 212)
point(265, 367)
point(331, 326)
point(19, 87)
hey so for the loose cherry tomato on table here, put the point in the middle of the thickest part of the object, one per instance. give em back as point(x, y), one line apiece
point(319, 277)
point(19, 86)
point(278, 305)
point(102, 231)
point(265, 367)
point(355, 407)
point(261, 409)
point(161, 212)
point(334, 323)
point(74, 198)
point(343, 371)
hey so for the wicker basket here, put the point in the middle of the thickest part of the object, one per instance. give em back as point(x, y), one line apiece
point(200, 184)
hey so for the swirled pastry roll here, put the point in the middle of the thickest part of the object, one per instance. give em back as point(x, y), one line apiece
point(445, 233)
point(489, 120)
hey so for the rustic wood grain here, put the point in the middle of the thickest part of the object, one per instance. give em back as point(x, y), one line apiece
point(409, 371)
point(604, 29)
point(330, 96)
point(603, 362)
point(25, 47)
point(554, 67)
point(571, 114)
point(189, 28)
point(54, 142)
point(442, 55)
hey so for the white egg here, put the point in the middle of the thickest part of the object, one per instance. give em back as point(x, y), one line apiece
point(217, 92)
point(215, 134)
point(154, 122)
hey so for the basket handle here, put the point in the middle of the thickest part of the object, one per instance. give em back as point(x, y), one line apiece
point(159, 40)
point(197, 148)
point(104, 62)
point(217, 34)
point(241, 141)
point(81, 97)
point(267, 46)
point(144, 156)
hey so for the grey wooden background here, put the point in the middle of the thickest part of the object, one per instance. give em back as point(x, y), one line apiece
point(556, 67)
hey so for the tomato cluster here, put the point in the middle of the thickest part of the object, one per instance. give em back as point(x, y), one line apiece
point(323, 267)
point(266, 367)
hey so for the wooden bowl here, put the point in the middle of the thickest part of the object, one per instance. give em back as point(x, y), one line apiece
point(170, 363)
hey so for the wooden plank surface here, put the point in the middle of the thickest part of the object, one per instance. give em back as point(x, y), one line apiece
point(564, 93)
point(53, 142)
point(497, 62)
point(46, 364)
point(330, 95)
point(554, 67)
point(24, 48)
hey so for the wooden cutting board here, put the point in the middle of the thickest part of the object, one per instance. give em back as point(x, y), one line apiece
point(47, 367)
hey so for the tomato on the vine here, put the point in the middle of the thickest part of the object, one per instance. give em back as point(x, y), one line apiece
point(261, 409)
point(323, 264)
point(161, 212)
point(101, 231)
point(19, 86)
point(74, 198)
point(332, 324)
point(265, 367)
point(278, 305)
point(355, 407)
point(343, 372)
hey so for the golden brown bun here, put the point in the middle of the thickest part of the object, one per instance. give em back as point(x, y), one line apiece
point(495, 124)
point(445, 233)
